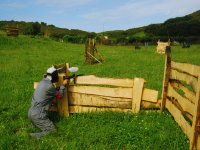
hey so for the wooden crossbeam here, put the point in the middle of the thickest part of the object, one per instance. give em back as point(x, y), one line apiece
point(94, 57)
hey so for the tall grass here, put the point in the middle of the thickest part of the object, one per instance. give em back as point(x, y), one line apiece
point(24, 60)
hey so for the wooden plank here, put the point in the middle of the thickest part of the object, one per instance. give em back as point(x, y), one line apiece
point(187, 93)
point(137, 94)
point(194, 137)
point(190, 80)
point(94, 58)
point(84, 109)
point(91, 79)
point(146, 104)
point(103, 101)
point(150, 95)
point(178, 117)
point(166, 76)
point(187, 68)
point(99, 101)
point(103, 91)
point(184, 102)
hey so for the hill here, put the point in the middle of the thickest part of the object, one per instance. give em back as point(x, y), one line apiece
point(42, 29)
point(188, 25)
point(179, 28)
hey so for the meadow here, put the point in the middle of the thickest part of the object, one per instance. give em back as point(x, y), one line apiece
point(24, 60)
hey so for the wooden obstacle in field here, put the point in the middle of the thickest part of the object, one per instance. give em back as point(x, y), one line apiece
point(181, 96)
point(12, 31)
point(91, 93)
point(137, 45)
point(161, 46)
point(91, 53)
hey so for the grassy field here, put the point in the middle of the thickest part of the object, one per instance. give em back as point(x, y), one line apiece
point(24, 60)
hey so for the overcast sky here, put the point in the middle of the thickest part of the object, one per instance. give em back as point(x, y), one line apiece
point(96, 15)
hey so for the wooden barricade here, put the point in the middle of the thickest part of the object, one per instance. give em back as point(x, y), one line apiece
point(181, 96)
point(91, 51)
point(12, 31)
point(161, 46)
point(91, 93)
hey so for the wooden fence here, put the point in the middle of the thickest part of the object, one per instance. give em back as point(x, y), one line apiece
point(91, 93)
point(110, 94)
point(181, 96)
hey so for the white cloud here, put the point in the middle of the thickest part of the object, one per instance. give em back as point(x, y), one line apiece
point(141, 9)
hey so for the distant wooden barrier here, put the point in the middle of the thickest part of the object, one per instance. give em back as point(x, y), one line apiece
point(161, 46)
point(91, 53)
point(181, 96)
point(12, 31)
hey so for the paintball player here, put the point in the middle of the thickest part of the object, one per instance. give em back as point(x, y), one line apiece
point(44, 94)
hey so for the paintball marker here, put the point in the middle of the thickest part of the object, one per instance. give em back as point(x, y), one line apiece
point(72, 70)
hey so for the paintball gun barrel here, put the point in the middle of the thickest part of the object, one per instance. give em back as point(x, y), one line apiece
point(72, 76)
point(72, 70)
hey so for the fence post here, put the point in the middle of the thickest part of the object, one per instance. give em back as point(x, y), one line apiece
point(63, 104)
point(166, 77)
point(137, 94)
point(195, 139)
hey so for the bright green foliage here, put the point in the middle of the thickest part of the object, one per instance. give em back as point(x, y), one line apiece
point(24, 60)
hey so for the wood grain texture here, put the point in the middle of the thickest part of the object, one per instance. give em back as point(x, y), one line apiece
point(190, 80)
point(187, 93)
point(186, 105)
point(137, 94)
point(103, 101)
point(178, 117)
point(85, 109)
point(186, 67)
point(93, 80)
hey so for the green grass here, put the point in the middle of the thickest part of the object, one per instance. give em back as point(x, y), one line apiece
point(24, 60)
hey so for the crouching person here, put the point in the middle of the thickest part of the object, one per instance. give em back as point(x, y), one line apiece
point(44, 94)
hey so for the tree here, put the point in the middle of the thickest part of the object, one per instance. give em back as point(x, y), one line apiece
point(36, 28)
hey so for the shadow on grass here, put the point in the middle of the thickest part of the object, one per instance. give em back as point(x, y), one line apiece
point(54, 116)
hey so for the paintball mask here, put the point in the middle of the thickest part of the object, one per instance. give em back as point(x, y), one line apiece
point(53, 73)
